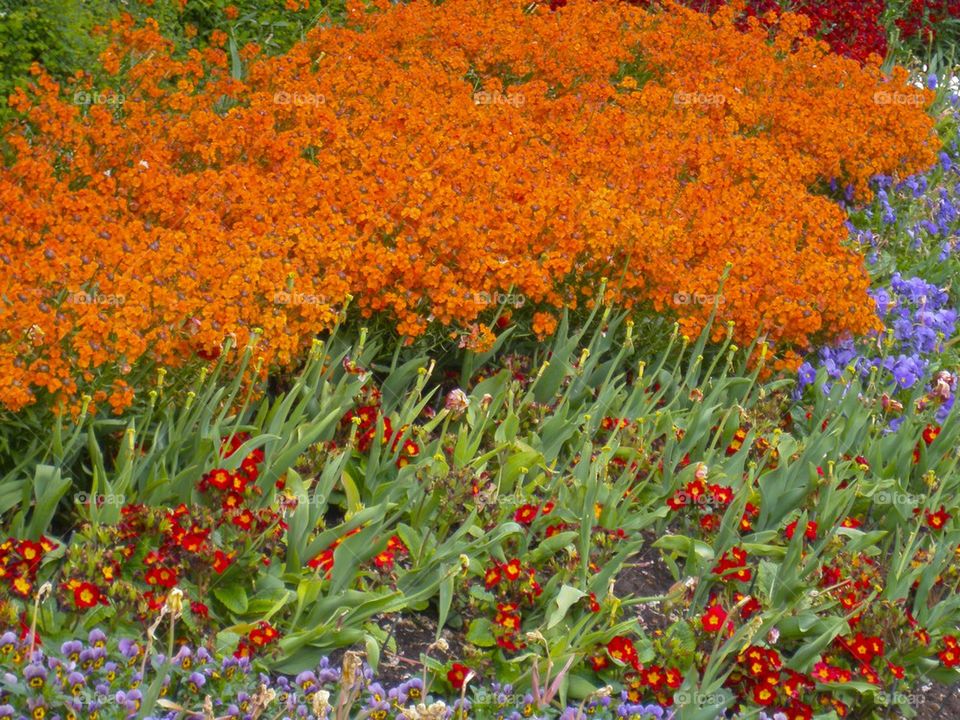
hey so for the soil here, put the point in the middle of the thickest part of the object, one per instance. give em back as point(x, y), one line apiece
point(414, 635)
point(940, 702)
point(645, 576)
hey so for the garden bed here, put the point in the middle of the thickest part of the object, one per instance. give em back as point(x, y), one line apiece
point(435, 361)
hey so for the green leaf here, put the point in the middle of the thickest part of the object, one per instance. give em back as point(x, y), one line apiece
point(373, 651)
point(233, 597)
point(48, 488)
point(567, 596)
point(480, 633)
point(446, 598)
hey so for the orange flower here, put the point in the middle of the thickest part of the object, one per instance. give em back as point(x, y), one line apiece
point(175, 220)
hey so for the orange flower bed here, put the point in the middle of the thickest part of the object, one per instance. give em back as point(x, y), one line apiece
point(425, 160)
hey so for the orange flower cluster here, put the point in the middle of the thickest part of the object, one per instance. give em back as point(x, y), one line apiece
point(426, 159)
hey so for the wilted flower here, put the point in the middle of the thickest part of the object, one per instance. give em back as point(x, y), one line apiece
point(457, 401)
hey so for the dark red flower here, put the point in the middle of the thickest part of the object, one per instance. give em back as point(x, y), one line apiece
point(457, 675)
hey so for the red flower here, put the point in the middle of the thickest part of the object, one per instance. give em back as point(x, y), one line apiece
point(694, 491)
point(154, 601)
point(938, 519)
point(599, 662)
point(231, 501)
point(677, 501)
point(710, 522)
point(243, 650)
point(457, 675)
point(384, 560)
point(621, 649)
point(526, 514)
point(396, 544)
point(653, 677)
point(950, 657)
point(713, 619)
point(86, 595)
point(219, 478)
point(810, 533)
point(737, 442)
point(161, 576)
point(507, 617)
point(221, 561)
point(31, 552)
point(410, 450)
point(861, 648)
point(193, 541)
point(512, 569)
point(263, 634)
point(21, 586)
point(749, 514)
point(324, 561)
point(238, 482)
point(199, 609)
point(751, 606)
point(243, 520)
point(507, 643)
point(721, 494)
point(763, 694)
point(547, 507)
point(492, 576)
point(611, 423)
point(554, 529)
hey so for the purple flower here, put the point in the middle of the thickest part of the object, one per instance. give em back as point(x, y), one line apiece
point(35, 675)
point(307, 681)
point(71, 649)
point(196, 681)
point(128, 648)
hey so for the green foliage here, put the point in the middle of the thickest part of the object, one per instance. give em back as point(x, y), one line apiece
point(54, 33)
